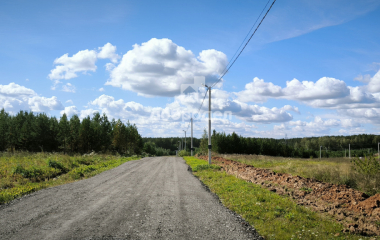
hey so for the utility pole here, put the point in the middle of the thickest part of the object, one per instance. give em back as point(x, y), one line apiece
point(191, 136)
point(345, 153)
point(209, 124)
point(349, 151)
point(185, 139)
point(378, 150)
point(320, 152)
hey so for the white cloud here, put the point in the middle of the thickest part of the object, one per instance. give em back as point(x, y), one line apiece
point(159, 67)
point(259, 91)
point(324, 93)
point(70, 111)
point(101, 90)
point(108, 51)
point(87, 112)
point(68, 88)
point(374, 83)
point(70, 101)
point(15, 90)
point(82, 61)
point(14, 98)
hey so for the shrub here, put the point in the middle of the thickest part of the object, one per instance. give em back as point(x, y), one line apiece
point(56, 165)
point(367, 166)
point(183, 153)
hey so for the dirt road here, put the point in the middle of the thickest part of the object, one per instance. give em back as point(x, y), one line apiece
point(152, 198)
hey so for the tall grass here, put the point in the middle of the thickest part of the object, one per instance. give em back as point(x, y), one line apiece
point(361, 174)
point(23, 173)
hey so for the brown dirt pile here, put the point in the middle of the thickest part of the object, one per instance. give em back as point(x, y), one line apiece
point(354, 209)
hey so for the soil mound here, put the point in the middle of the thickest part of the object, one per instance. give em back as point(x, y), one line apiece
point(358, 212)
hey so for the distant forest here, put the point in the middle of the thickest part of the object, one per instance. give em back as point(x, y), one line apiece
point(332, 146)
point(27, 131)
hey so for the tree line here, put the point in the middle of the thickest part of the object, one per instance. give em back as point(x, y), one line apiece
point(27, 131)
point(171, 144)
point(332, 146)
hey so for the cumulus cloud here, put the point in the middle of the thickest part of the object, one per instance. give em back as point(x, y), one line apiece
point(81, 62)
point(108, 51)
point(14, 98)
point(374, 83)
point(67, 68)
point(324, 93)
point(101, 90)
point(159, 67)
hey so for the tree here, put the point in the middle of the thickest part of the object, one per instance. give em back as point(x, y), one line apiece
point(64, 131)
point(74, 139)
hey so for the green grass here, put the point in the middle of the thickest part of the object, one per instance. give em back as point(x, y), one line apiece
point(24, 173)
point(273, 216)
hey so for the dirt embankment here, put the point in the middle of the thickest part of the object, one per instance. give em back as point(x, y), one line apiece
point(358, 212)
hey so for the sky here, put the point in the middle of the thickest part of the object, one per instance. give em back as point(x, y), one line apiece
point(311, 69)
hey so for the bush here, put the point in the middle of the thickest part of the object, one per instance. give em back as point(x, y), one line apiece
point(57, 165)
point(368, 174)
point(28, 173)
point(183, 153)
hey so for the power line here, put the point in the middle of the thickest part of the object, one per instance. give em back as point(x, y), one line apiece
point(250, 30)
point(244, 45)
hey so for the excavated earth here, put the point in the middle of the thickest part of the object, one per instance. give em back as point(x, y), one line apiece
point(359, 213)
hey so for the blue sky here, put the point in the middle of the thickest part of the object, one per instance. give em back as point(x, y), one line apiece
point(312, 68)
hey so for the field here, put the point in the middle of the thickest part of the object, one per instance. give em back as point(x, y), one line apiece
point(23, 173)
point(363, 176)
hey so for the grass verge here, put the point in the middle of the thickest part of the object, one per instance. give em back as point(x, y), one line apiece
point(273, 216)
point(26, 173)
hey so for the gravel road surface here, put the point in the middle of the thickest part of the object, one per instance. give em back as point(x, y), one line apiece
point(152, 198)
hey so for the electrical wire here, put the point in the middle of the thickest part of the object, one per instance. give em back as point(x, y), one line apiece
point(250, 30)
point(244, 45)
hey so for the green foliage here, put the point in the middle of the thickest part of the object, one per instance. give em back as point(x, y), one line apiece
point(206, 167)
point(171, 144)
point(259, 206)
point(39, 133)
point(56, 165)
point(151, 149)
point(183, 153)
point(368, 166)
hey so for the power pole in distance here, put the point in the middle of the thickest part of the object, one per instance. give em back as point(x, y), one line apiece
point(349, 151)
point(191, 136)
point(209, 124)
point(185, 139)
point(320, 152)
